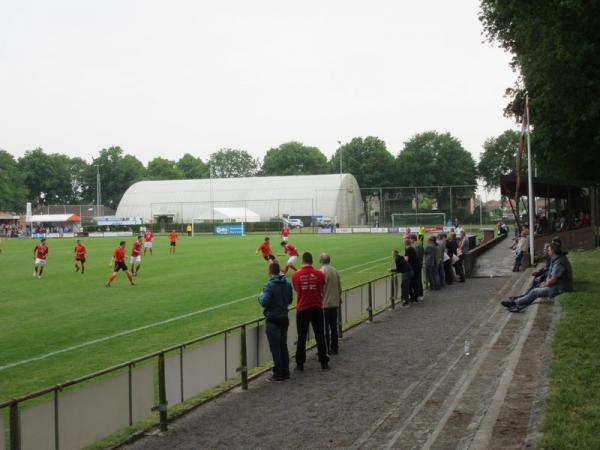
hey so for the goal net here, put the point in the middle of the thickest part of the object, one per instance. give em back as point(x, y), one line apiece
point(413, 220)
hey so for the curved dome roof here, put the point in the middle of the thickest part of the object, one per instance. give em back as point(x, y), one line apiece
point(301, 195)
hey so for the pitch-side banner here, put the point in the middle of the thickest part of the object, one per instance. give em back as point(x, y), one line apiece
point(229, 230)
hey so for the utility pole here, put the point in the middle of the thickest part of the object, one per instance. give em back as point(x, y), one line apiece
point(98, 191)
point(341, 157)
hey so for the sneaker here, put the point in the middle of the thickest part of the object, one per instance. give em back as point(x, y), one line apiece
point(325, 366)
point(274, 378)
point(514, 309)
point(508, 303)
point(35, 274)
point(107, 285)
point(299, 368)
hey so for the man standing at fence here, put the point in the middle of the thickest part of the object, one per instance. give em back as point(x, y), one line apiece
point(275, 299)
point(403, 269)
point(308, 284)
point(332, 299)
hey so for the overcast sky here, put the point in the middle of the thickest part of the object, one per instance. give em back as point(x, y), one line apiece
point(162, 78)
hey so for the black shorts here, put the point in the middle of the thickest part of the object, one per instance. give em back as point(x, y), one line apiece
point(173, 244)
point(81, 260)
point(120, 266)
point(269, 258)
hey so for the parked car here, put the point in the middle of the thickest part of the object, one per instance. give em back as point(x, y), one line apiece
point(324, 222)
point(295, 223)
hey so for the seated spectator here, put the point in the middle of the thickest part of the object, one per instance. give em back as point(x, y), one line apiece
point(539, 275)
point(560, 279)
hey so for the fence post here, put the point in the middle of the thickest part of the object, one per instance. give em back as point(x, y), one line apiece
point(244, 358)
point(162, 393)
point(393, 297)
point(15, 427)
point(370, 309)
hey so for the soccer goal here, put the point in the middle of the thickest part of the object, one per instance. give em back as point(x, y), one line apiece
point(418, 219)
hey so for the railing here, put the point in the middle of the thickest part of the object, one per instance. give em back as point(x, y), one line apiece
point(126, 394)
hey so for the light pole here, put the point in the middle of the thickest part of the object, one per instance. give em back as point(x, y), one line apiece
point(212, 205)
point(341, 157)
point(98, 190)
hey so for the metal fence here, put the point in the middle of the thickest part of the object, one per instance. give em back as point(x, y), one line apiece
point(424, 205)
point(79, 412)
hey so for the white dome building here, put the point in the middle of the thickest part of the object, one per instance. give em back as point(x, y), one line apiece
point(257, 198)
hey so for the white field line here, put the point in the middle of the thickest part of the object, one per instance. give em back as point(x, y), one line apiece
point(151, 325)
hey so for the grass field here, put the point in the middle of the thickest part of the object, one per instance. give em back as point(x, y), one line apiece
point(49, 325)
point(573, 405)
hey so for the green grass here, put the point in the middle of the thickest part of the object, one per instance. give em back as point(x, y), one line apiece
point(65, 309)
point(573, 405)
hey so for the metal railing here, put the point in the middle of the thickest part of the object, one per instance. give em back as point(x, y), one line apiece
point(95, 411)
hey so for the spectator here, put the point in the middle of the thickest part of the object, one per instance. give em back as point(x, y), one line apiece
point(521, 248)
point(439, 260)
point(410, 254)
point(462, 251)
point(275, 299)
point(418, 246)
point(539, 275)
point(308, 284)
point(430, 269)
point(401, 266)
point(458, 229)
point(332, 299)
point(451, 247)
point(560, 279)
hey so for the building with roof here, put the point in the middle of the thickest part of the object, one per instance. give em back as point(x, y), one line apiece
point(305, 196)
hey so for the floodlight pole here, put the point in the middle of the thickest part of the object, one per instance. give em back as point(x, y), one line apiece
point(98, 190)
point(341, 158)
point(212, 205)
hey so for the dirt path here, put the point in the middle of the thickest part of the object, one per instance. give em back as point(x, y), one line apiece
point(402, 381)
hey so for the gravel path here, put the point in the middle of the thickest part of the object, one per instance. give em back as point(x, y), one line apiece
point(377, 363)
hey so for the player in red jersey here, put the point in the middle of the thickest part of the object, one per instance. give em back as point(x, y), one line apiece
point(172, 241)
point(40, 252)
point(118, 263)
point(291, 251)
point(285, 233)
point(80, 251)
point(148, 236)
point(136, 256)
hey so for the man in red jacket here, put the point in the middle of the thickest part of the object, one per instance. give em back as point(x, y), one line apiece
point(308, 284)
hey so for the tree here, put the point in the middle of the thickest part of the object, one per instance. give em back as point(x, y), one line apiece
point(13, 192)
point(231, 163)
point(555, 47)
point(164, 169)
point(294, 158)
point(117, 172)
point(368, 160)
point(498, 158)
point(48, 177)
point(192, 167)
point(436, 159)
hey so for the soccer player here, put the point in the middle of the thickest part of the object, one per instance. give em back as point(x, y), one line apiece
point(285, 233)
point(291, 251)
point(172, 242)
point(40, 252)
point(80, 252)
point(136, 256)
point(118, 263)
point(148, 236)
point(265, 250)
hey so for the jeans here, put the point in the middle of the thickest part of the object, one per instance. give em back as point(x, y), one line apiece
point(518, 260)
point(432, 277)
point(277, 335)
point(460, 268)
point(527, 299)
point(418, 282)
point(305, 317)
point(331, 329)
point(441, 277)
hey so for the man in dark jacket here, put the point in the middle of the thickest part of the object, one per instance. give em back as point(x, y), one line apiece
point(402, 267)
point(275, 299)
point(410, 254)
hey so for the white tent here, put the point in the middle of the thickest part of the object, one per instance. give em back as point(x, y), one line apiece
point(229, 215)
point(333, 196)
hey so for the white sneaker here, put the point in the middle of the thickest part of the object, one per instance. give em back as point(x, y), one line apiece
point(34, 273)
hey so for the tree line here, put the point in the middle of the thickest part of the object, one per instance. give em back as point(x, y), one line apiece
point(429, 158)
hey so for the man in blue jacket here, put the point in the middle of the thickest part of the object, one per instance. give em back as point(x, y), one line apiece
point(275, 299)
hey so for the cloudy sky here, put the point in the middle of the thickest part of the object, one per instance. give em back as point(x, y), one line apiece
point(161, 78)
